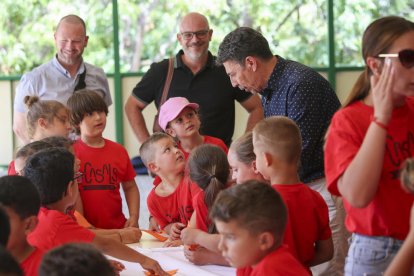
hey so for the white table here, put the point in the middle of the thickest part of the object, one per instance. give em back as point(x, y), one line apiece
point(170, 258)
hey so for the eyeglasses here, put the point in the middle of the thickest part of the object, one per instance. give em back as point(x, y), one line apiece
point(199, 34)
point(406, 57)
point(77, 176)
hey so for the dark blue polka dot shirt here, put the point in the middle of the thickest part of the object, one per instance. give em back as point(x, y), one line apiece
point(302, 94)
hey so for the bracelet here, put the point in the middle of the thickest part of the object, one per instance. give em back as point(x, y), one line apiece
point(378, 123)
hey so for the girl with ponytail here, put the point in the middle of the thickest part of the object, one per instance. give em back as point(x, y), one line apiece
point(209, 169)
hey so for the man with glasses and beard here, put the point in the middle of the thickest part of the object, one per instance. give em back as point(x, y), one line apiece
point(196, 77)
point(60, 77)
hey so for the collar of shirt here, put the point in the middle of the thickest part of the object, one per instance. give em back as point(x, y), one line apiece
point(65, 72)
point(179, 62)
point(272, 83)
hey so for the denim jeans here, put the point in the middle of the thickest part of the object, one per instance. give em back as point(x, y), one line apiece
point(370, 255)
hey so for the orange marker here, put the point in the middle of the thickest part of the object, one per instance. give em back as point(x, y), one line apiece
point(156, 235)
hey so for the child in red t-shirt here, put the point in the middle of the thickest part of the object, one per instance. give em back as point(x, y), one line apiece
point(242, 159)
point(277, 144)
point(179, 118)
point(251, 219)
point(170, 202)
point(21, 202)
point(209, 169)
point(105, 166)
point(125, 235)
point(52, 173)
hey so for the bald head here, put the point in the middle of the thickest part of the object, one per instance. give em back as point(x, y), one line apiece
point(72, 19)
point(193, 21)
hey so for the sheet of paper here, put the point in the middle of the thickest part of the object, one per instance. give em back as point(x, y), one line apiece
point(173, 258)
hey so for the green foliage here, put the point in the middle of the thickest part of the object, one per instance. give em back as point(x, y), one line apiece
point(296, 29)
point(351, 19)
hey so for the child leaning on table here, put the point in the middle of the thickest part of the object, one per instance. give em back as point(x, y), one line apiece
point(251, 219)
point(209, 169)
point(52, 173)
point(125, 235)
point(170, 202)
point(105, 166)
point(403, 263)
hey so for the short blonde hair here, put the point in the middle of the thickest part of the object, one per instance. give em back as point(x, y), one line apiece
point(280, 136)
point(147, 149)
point(243, 147)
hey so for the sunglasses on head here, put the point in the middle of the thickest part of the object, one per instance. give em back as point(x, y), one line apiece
point(406, 57)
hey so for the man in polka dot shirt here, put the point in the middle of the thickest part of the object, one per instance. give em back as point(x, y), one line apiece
point(294, 90)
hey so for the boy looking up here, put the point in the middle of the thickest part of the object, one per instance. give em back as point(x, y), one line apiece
point(52, 172)
point(251, 219)
point(277, 145)
point(170, 202)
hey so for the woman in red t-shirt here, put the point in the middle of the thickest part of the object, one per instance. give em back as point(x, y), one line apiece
point(367, 143)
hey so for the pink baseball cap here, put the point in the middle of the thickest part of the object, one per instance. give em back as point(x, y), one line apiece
point(172, 108)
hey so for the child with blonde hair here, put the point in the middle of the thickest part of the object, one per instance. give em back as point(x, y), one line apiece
point(242, 159)
point(170, 202)
point(277, 144)
point(44, 118)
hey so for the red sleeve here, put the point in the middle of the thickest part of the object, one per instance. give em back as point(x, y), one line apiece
point(244, 271)
point(202, 219)
point(223, 146)
point(154, 210)
point(324, 232)
point(30, 265)
point(71, 231)
point(11, 170)
point(129, 172)
point(340, 149)
point(217, 142)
